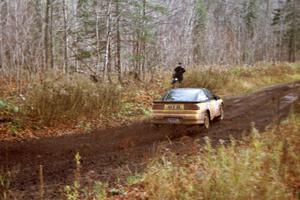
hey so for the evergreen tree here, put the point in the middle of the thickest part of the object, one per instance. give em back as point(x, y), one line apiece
point(250, 8)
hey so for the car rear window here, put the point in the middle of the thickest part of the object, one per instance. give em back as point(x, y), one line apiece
point(185, 95)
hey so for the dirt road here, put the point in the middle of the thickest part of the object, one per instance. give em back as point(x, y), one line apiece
point(122, 151)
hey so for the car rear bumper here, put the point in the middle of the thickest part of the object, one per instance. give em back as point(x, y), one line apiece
point(174, 118)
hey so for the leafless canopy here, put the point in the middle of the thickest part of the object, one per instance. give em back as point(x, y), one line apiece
point(109, 38)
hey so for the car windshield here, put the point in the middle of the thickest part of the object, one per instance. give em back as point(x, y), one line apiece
point(185, 95)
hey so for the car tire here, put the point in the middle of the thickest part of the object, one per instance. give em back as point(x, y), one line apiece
point(206, 120)
point(221, 116)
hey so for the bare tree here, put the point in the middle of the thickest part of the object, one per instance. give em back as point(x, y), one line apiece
point(46, 34)
point(65, 37)
point(118, 41)
point(140, 36)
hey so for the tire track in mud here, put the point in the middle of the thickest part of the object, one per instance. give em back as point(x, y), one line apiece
point(107, 154)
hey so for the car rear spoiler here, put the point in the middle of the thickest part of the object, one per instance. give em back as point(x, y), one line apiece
point(178, 102)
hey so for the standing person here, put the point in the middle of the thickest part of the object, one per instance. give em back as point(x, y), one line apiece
point(178, 73)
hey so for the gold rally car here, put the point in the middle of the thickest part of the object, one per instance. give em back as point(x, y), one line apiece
point(188, 106)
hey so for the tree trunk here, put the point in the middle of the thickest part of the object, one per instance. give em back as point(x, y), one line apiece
point(281, 33)
point(46, 34)
point(143, 42)
point(267, 34)
point(108, 43)
point(75, 7)
point(292, 40)
point(1, 38)
point(51, 39)
point(98, 66)
point(118, 43)
point(65, 38)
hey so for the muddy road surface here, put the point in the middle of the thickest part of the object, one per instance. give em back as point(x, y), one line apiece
point(109, 155)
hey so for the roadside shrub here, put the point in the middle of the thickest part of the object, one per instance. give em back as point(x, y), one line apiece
point(212, 79)
point(6, 179)
point(278, 70)
point(8, 109)
point(242, 71)
point(240, 79)
point(260, 167)
point(71, 97)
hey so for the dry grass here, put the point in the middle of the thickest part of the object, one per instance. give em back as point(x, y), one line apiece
point(6, 179)
point(63, 99)
point(265, 166)
point(53, 100)
point(241, 79)
point(261, 166)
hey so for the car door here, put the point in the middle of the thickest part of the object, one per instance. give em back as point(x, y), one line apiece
point(213, 104)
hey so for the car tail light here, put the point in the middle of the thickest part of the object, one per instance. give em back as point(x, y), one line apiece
point(191, 107)
point(158, 107)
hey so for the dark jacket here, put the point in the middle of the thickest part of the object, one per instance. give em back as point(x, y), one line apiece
point(179, 71)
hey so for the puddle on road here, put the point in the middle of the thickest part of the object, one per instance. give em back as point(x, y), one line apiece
point(288, 100)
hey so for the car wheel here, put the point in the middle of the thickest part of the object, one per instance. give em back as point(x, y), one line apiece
point(221, 116)
point(206, 121)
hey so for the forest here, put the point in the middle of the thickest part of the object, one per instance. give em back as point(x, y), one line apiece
point(111, 38)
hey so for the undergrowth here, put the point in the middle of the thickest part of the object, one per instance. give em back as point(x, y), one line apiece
point(241, 79)
point(69, 98)
point(258, 166)
point(75, 100)
point(261, 166)
point(6, 178)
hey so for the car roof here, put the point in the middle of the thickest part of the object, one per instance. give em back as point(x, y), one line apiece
point(188, 89)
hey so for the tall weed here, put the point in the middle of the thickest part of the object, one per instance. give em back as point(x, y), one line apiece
point(260, 167)
point(69, 98)
point(240, 79)
point(208, 78)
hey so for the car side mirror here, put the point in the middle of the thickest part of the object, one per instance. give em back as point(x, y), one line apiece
point(216, 97)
